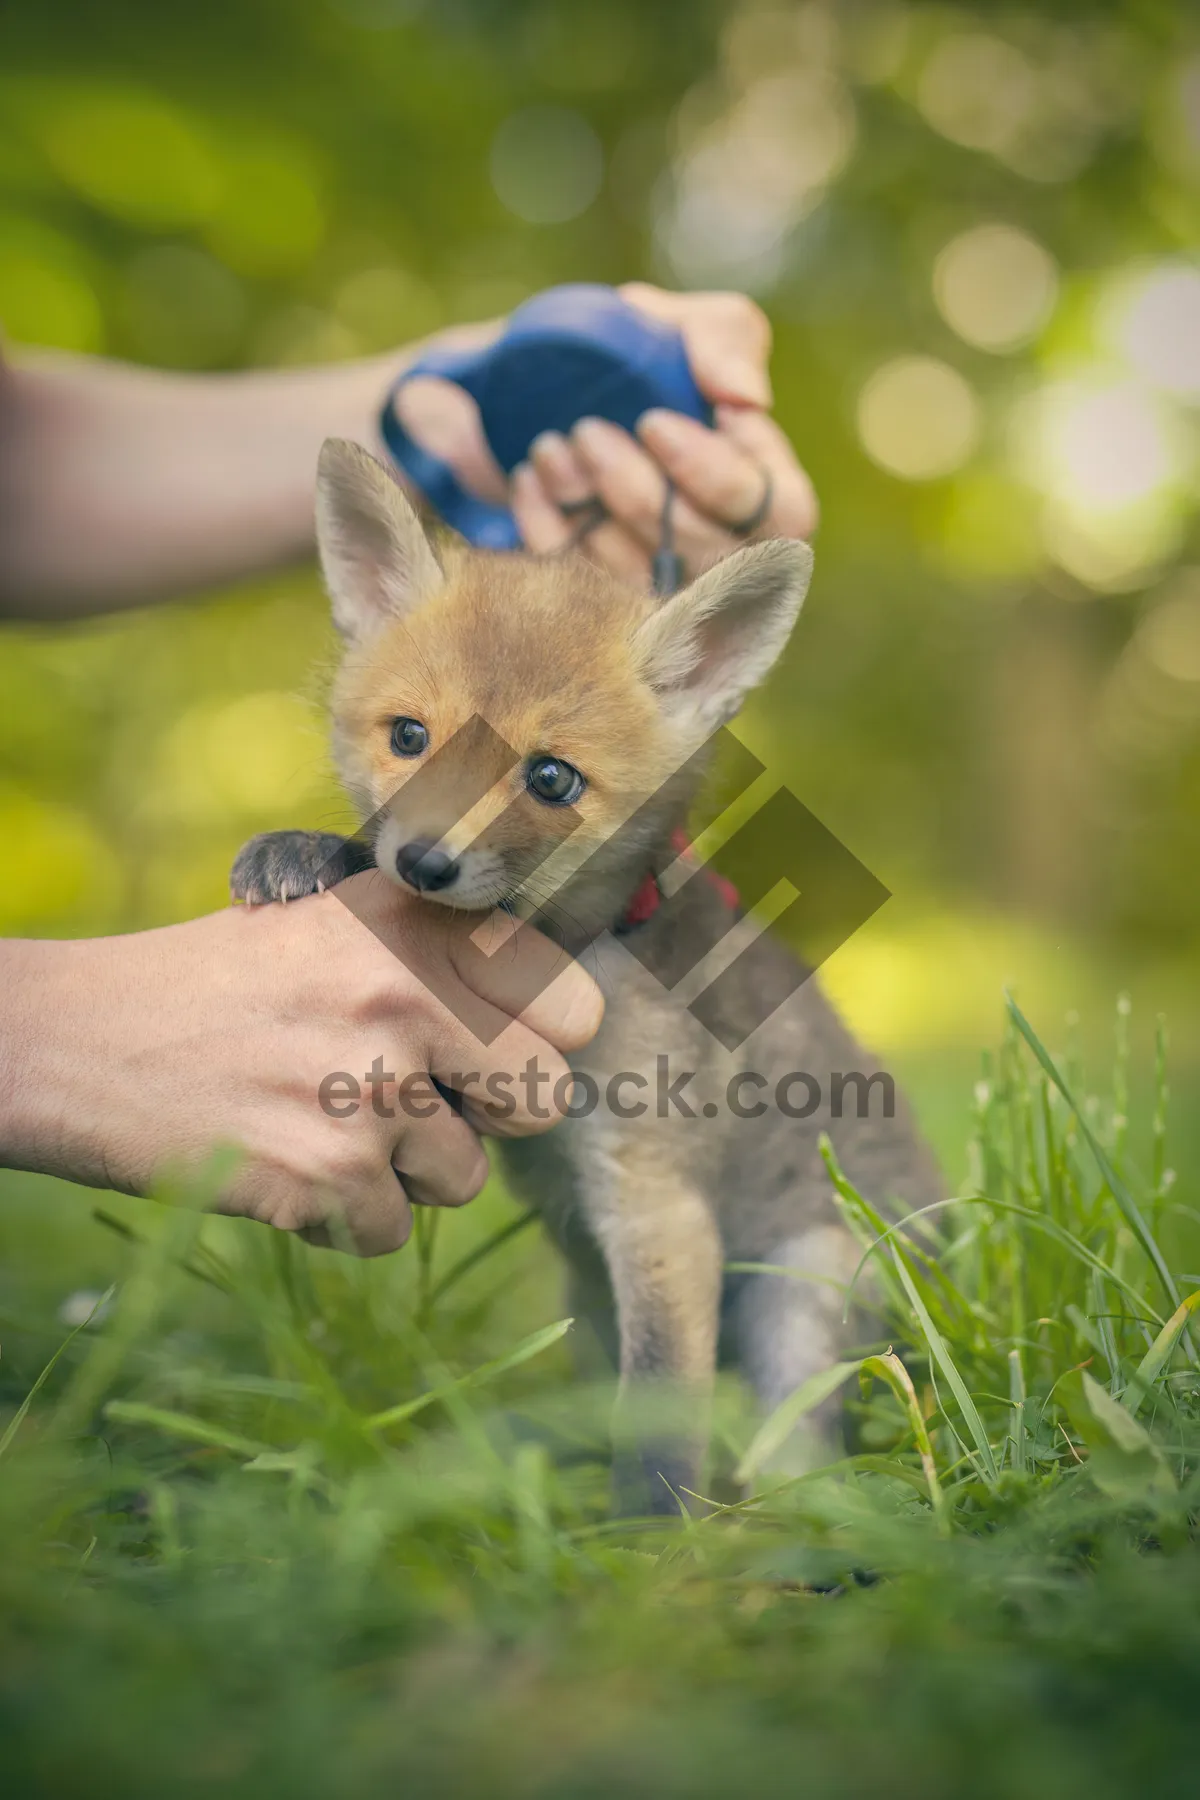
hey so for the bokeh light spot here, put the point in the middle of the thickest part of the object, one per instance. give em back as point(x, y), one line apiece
point(995, 286)
point(135, 156)
point(976, 90)
point(546, 164)
point(272, 216)
point(747, 178)
point(46, 296)
point(1042, 113)
point(1156, 325)
point(1103, 444)
point(918, 418)
point(56, 866)
point(1113, 466)
point(252, 757)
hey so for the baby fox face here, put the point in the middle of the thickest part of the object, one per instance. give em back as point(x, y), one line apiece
point(498, 731)
point(504, 719)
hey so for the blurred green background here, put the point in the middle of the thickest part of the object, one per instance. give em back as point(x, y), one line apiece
point(974, 232)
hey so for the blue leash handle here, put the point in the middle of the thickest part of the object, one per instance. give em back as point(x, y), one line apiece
point(569, 353)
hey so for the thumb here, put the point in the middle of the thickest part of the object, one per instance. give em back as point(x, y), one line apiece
point(727, 338)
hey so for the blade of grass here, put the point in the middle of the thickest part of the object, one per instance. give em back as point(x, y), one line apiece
point(480, 1253)
point(1159, 1353)
point(774, 1430)
point(425, 1233)
point(1116, 1186)
point(1016, 1397)
point(1162, 1095)
point(184, 1425)
point(1040, 1222)
point(18, 1418)
point(120, 1229)
point(529, 1347)
point(863, 1218)
point(946, 1363)
point(1120, 1113)
point(890, 1369)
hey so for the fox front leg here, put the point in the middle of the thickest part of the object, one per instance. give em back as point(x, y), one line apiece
point(288, 865)
point(664, 1259)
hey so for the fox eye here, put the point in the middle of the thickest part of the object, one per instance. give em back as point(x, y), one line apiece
point(556, 782)
point(409, 737)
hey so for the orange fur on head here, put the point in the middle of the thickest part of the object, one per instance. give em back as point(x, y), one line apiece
point(553, 656)
point(543, 653)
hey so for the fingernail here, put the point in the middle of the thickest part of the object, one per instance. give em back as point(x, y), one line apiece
point(668, 429)
point(583, 1012)
point(548, 443)
point(596, 435)
point(746, 381)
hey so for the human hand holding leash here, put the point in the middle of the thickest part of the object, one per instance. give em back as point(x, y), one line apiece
point(736, 480)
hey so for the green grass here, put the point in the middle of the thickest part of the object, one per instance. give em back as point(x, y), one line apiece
point(280, 1523)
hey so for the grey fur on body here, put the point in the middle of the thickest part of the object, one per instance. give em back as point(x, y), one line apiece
point(647, 1211)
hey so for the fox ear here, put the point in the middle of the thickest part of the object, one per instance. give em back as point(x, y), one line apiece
point(377, 561)
point(705, 648)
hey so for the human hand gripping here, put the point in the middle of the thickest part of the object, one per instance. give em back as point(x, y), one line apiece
point(124, 1058)
point(736, 480)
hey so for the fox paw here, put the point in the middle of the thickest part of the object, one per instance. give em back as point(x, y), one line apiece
point(288, 865)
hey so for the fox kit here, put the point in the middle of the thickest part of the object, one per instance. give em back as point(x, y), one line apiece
point(596, 702)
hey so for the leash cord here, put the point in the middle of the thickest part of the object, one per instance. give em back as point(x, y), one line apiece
point(667, 567)
point(667, 570)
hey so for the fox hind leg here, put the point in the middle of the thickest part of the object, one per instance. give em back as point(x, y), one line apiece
point(788, 1327)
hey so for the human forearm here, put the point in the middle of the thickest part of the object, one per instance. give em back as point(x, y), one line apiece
point(45, 1089)
point(121, 485)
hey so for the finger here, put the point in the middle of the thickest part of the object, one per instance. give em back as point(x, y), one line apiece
point(445, 421)
point(373, 1221)
point(377, 1222)
point(516, 968)
point(482, 974)
point(563, 473)
point(724, 472)
point(618, 551)
point(438, 1160)
point(544, 529)
point(795, 510)
point(504, 1071)
point(716, 475)
point(513, 1087)
point(726, 335)
point(613, 466)
point(634, 489)
point(563, 479)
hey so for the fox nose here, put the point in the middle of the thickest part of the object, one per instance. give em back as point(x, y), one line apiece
point(424, 868)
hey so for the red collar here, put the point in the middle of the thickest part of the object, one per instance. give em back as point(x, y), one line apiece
point(648, 898)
